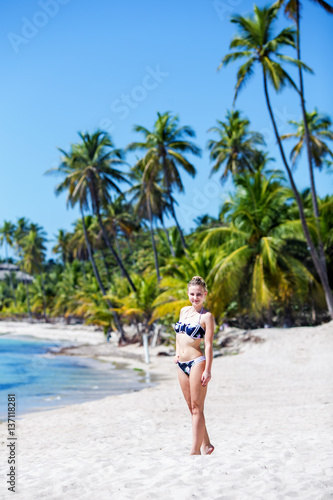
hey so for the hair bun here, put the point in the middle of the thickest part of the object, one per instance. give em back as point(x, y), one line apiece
point(198, 280)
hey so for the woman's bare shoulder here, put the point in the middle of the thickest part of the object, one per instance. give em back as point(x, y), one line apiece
point(207, 314)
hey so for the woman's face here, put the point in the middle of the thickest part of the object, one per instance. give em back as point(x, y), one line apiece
point(196, 294)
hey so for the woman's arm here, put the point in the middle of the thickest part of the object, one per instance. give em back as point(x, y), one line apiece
point(176, 358)
point(209, 335)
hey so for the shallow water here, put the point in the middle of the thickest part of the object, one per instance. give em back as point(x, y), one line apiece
point(41, 380)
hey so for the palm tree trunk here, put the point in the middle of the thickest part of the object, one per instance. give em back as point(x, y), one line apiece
point(153, 239)
point(114, 253)
point(308, 147)
point(99, 281)
point(316, 260)
point(173, 213)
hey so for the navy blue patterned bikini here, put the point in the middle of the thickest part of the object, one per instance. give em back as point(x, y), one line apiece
point(195, 332)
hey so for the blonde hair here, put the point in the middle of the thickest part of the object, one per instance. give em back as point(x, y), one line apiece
point(197, 280)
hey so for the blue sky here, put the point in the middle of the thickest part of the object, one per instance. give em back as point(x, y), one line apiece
point(70, 65)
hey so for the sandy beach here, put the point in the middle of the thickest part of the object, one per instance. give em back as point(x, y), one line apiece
point(268, 412)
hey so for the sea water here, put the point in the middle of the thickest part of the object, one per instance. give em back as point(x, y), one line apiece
point(41, 380)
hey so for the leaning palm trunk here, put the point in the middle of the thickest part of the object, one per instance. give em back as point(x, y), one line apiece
point(114, 253)
point(152, 238)
point(313, 252)
point(177, 224)
point(99, 281)
point(308, 147)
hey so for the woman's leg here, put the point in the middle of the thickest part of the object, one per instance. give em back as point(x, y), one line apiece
point(197, 395)
point(207, 447)
point(185, 387)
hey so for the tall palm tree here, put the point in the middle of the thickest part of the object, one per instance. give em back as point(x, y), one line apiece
point(80, 186)
point(62, 246)
point(21, 229)
point(7, 238)
point(258, 253)
point(90, 170)
point(235, 146)
point(292, 10)
point(77, 242)
point(147, 193)
point(32, 249)
point(319, 132)
point(256, 43)
point(119, 219)
point(166, 145)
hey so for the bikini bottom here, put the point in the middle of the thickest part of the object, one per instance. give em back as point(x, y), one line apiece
point(186, 366)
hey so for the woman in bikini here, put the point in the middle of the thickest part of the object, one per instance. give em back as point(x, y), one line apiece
point(194, 369)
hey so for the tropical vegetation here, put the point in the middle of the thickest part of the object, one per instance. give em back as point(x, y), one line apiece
point(268, 256)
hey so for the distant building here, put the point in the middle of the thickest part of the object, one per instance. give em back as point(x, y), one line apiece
point(21, 276)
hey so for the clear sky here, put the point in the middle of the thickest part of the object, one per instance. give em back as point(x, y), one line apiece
point(79, 65)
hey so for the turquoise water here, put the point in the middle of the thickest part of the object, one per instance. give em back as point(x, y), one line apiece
point(41, 380)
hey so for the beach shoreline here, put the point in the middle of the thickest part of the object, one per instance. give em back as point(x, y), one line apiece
point(268, 412)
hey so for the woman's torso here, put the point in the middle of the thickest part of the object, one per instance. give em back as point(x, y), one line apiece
point(188, 347)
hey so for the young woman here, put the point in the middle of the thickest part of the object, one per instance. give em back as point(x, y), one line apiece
point(194, 368)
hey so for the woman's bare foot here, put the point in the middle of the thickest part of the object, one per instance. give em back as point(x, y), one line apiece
point(207, 450)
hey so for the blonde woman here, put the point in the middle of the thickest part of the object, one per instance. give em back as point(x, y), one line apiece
point(195, 325)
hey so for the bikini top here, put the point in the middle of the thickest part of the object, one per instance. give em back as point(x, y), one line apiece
point(194, 331)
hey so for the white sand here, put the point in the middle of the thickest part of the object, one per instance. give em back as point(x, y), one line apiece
point(268, 412)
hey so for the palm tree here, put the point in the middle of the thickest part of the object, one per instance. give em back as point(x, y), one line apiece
point(32, 249)
point(77, 242)
point(176, 272)
point(62, 246)
point(166, 146)
point(258, 253)
point(66, 288)
point(89, 170)
point(80, 186)
point(257, 44)
point(319, 132)
point(7, 238)
point(236, 145)
point(148, 194)
point(119, 219)
point(292, 10)
point(21, 229)
point(139, 307)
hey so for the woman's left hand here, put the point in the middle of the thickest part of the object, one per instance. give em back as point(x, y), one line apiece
point(205, 378)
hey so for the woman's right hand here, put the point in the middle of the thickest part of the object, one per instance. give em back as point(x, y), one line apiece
point(176, 358)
